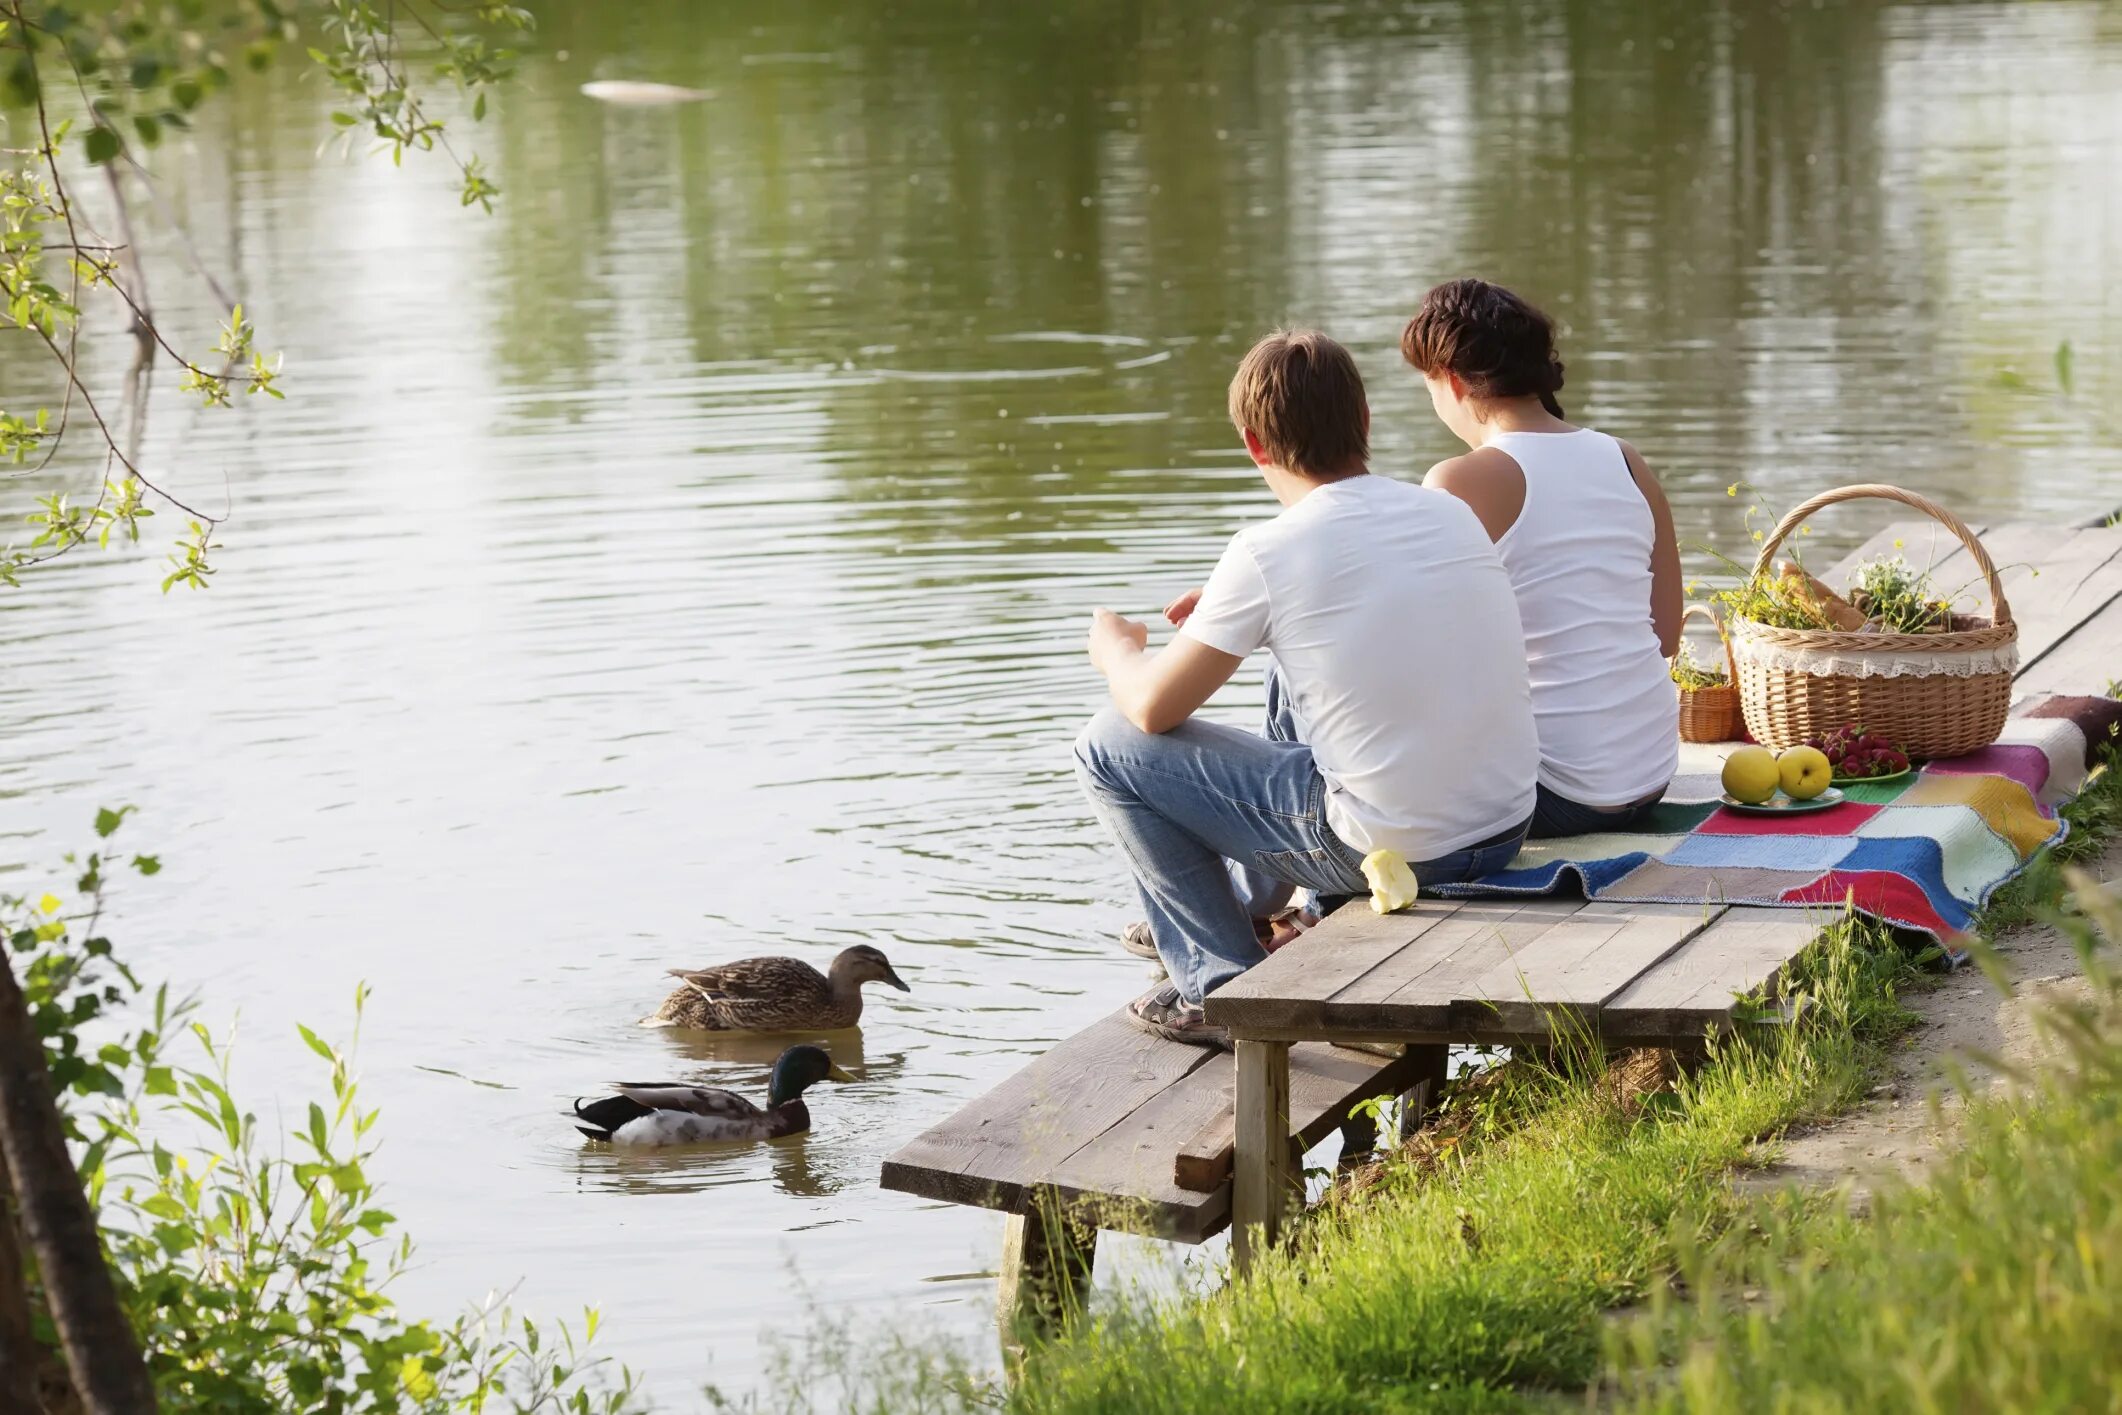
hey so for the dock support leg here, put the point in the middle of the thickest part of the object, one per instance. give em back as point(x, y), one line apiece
point(1045, 1277)
point(1432, 1061)
point(1359, 1141)
point(1266, 1183)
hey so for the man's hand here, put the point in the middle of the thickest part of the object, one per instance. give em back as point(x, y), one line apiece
point(1182, 609)
point(1156, 691)
point(1112, 635)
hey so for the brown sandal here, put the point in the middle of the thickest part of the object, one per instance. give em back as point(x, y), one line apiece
point(1138, 940)
point(1161, 1013)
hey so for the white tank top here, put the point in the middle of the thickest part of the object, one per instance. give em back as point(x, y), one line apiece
point(1579, 558)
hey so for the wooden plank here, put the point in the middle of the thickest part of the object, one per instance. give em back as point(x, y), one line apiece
point(1345, 946)
point(1581, 962)
point(2086, 661)
point(1135, 1160)
point(2054, 578)
point(2014, 550)
point(2074, 578)
point(1922, 542)
point(1324, 1081)
point(1691, 991)
point(1415, 994)
point(1265, 1184)
point(1504, 918)
point(1003, 1142)
point(1921, 539)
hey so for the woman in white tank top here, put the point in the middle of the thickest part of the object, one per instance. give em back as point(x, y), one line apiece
point(1584, 530)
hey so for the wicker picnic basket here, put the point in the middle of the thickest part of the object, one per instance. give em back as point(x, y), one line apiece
point(1934, 695)
point(1711, 714)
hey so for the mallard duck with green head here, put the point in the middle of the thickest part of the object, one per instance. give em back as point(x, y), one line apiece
point(775, 994)
point(648, 1115)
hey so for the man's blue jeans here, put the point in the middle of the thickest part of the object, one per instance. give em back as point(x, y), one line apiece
point(1221, 827)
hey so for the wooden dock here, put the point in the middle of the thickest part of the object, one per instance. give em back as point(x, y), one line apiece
point(1116, 1129)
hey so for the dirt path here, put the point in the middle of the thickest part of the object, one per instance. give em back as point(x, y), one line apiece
point(1901, 1131)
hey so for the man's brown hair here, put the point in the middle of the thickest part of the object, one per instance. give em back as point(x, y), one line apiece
point(1300, 394)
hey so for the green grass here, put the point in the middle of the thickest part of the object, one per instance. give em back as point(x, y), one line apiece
point(1567, 1245)
point(1997, 1285)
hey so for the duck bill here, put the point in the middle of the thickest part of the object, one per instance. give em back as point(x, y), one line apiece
point(837, 1072)
point(891, 976)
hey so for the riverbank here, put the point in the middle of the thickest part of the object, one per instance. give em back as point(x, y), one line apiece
point(1564, 1229)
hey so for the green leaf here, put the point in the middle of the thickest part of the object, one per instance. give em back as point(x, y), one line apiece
point(161, 1081)
point(149, 129)
point(315, 1043)
point(101, 144)
point(108, 820)
point(2064, 359)
point(147, 864)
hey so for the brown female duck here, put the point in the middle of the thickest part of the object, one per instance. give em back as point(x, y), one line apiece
point(775, 994)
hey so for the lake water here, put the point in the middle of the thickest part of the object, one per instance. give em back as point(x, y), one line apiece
point(690, 560)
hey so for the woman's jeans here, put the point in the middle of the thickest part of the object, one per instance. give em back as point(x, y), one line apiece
point(1555, 814)
point(1220, 827)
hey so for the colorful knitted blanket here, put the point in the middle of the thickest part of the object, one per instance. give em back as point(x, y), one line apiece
point(1924, 852)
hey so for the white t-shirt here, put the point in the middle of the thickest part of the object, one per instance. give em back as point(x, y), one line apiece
point(1394, 626)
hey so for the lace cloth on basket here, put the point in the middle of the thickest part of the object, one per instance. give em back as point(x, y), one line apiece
point(1847, 660)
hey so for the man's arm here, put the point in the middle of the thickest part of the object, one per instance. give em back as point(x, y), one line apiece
point(1155, 691)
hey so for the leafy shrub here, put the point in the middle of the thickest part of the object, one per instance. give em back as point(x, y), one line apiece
point(257, 1276)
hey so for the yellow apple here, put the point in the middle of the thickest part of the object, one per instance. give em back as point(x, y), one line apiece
point(1750, 774)
point(1805, 772)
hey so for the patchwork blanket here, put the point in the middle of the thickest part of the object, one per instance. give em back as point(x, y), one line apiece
point(1924, 852)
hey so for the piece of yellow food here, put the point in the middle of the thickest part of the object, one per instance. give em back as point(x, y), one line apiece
point(1751, 775)
point(1392, 883)
point(1805, 772)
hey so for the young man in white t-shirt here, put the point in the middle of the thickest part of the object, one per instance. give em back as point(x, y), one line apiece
point(1399, 715)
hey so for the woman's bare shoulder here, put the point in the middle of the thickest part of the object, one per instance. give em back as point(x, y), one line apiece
point(1487, 479)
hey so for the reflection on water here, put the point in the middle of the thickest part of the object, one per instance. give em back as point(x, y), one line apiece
point(690, 561)
point(698, 1169)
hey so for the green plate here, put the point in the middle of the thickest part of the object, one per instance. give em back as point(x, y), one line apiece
point(1782, 805)
point(1872, 780)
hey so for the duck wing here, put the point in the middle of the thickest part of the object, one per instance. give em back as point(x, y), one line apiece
point(755, 994)
point(708, 1101)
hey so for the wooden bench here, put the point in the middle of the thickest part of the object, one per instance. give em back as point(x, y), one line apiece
point(1117, 1129)
point(1480, 971)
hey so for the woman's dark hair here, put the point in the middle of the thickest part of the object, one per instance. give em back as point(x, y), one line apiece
point(1498, 345)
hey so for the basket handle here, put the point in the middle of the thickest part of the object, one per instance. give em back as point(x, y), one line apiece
point(1882, 492)
point(1716, 621)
